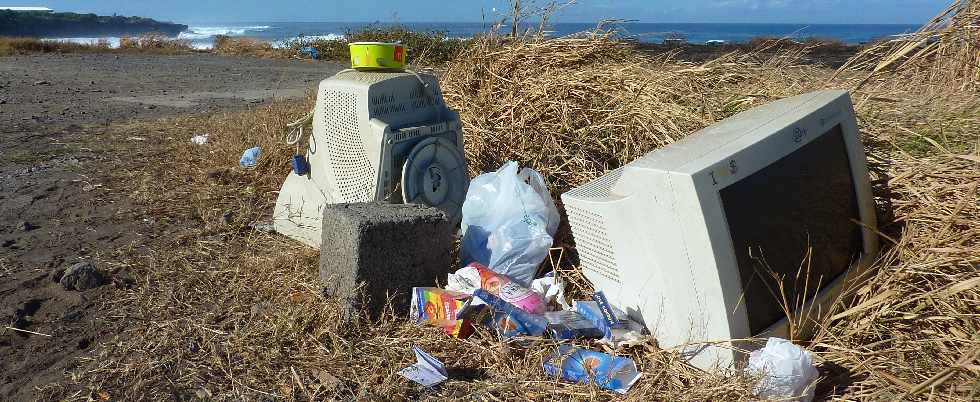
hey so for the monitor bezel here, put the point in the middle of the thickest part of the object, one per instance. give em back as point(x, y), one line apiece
point(754, 152)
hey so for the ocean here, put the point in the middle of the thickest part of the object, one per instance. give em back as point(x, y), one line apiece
point(202, 35)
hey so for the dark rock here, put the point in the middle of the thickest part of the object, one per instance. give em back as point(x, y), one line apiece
point(56, 274)
point(82, 276)
point(41, 83)
point(3, 101)
point(26, 226)
point(228, 217)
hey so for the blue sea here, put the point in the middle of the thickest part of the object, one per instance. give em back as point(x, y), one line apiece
point(202, 35)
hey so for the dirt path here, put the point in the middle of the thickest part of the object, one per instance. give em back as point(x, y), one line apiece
point(58, 204)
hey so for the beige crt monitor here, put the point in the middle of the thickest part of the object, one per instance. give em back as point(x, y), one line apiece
point(689, 238)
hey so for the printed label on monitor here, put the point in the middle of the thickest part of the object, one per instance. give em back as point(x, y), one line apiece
point(793, 227)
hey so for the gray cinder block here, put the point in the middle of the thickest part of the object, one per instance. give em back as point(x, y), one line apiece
point(371, 251)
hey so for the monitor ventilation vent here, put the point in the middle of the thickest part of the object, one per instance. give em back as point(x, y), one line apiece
point(352, 171)
point(598, 188)
point(592, 242)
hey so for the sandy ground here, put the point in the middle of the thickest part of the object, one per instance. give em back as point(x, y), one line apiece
point(57, 207)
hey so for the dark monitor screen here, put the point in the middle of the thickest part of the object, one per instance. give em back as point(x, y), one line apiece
point(804, 202)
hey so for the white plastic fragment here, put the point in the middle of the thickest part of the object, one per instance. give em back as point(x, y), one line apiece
point(200, 139)
point(428, 371)
point(552, 289)
point(787, 371)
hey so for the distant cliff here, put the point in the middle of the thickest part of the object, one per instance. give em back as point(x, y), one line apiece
point(41, 24)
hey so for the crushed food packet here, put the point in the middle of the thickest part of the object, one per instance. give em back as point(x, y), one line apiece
point(427, 370)
point(567, 324)
point(477, 276)
point(627, 331)
point(552, 289)
point(511, 320)
point(609, 372)
point(787, 371)
point(442, 308)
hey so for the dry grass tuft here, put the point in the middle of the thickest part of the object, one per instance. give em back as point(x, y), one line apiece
point(577, 107)
point(227, 45)
point(943, 53)
point(221, 311)
point(154, 42)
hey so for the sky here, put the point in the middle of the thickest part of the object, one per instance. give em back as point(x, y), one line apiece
point(761, 11)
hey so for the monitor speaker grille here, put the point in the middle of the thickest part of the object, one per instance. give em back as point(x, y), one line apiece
point(592, 243)
point(598, 188)
point(353, 174)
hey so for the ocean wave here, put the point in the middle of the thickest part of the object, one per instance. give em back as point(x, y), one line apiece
point(287, 42)
point(194, 33)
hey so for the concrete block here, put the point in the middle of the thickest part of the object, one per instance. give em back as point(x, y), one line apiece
point(373, 251)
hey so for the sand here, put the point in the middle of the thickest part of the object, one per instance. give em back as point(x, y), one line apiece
point(56, 203)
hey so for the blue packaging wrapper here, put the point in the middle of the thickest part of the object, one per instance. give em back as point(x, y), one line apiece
point(567, 324)
point(609, 372)
point(626, 329)
point(511, 320)
point(250, 157)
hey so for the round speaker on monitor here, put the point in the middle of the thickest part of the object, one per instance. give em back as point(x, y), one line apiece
point(435, 174)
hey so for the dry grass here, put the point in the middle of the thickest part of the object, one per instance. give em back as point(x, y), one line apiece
point(154, 42)
point(147, 43)
point(945, 52)
point(224, 312)
point(11, 46)
point(227, 45)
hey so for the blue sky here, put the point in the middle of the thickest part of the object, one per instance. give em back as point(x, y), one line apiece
point(764, 11)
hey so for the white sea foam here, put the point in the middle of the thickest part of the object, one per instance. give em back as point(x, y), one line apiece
point(286, 43)
point(196, 33)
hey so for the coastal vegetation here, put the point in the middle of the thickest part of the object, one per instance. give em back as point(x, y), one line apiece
point(147, 43)
point(44, 24)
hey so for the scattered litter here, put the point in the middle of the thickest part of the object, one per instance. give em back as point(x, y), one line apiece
point(567, 324)
point(300, 165)
point(476, 276)
point(264, 227)
point(508, 223)
point(428, 371)
point(442, 308)
point(134, 138)
point(787, 371)
point(609, 372)
point(89, 187)
point(625, 332)
point(314, 54)
point(511, 320)
point(552, 289)
point(200, 139)
point(250, 157)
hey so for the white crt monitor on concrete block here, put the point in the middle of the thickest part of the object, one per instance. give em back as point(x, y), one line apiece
point(704, 239)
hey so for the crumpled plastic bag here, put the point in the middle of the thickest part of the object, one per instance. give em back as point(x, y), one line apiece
point(250, 157)
point(788, 372)
point(509, 221)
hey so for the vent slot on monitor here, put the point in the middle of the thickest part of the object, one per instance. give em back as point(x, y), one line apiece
point(592, 243)
point(353, 174)
point(598, 188)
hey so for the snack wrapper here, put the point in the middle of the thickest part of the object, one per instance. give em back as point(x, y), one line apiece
point(567, 324)
point(624, 331)
point(477, 276)
point(442, 308)
point(511, 320)
point(609, 372)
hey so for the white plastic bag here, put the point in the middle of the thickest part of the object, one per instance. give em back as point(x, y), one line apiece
point(787, 371)
point(508, 222)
